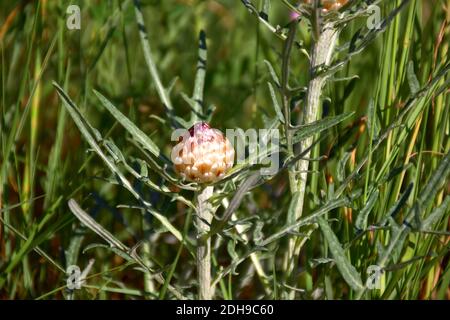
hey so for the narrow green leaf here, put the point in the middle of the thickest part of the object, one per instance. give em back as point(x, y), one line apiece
point(85, 129)
point(372, 120)
point(308, 220)
point(341, 166)
point(244, 187)
point(427, 195)
point(87, 220)
point(361, 220)
point(305, 131)
point(435, 183)
point(143, 35)
point(347, 270)
point(398, 205)
point(136, 133)
point(73, 250)
point(413, 82)
point(273, 74)
point(436, 214)
point(276, 105)
point(199, 83)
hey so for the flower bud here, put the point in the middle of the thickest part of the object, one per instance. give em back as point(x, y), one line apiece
point(203, 154)
point(329, 5)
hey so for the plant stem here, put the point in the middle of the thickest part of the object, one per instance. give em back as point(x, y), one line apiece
point(321, 54)
point(146, 252)
point(287, 49)
point(204, 218)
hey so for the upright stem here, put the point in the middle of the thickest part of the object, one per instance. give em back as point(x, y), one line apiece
point(204, 218)
point(287, 49)
point(321, 57)
point(321, 54)
point(146, 253)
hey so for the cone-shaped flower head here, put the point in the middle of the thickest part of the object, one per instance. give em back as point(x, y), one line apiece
point(203, 154)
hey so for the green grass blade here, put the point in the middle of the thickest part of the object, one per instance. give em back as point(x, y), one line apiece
point(346, 269)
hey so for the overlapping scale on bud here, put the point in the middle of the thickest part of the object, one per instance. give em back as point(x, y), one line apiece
point(203, 154)
point(329, 5)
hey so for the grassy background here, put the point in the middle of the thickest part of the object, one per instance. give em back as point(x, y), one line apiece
point(43, 159)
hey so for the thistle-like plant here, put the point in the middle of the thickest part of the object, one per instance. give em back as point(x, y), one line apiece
point(327, 20)
point(205, 186)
